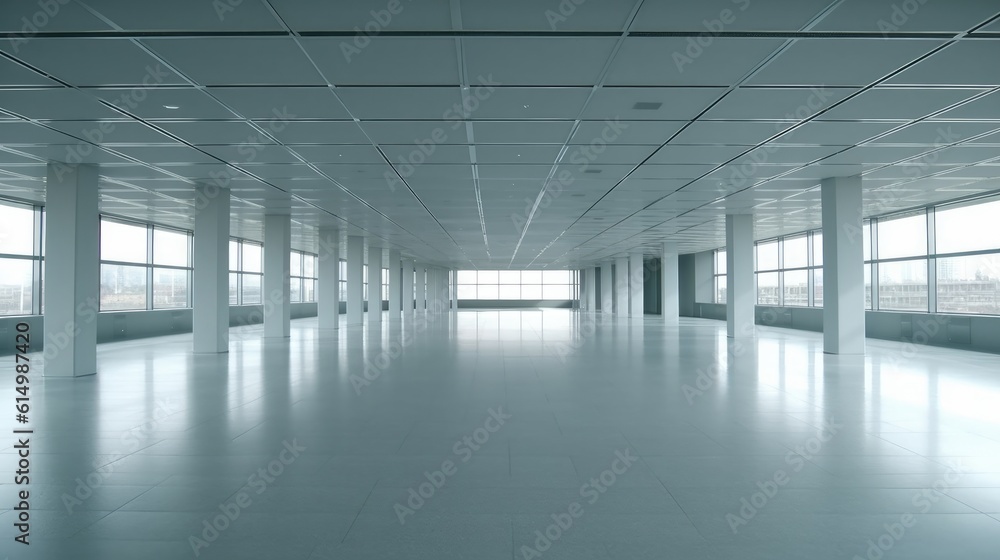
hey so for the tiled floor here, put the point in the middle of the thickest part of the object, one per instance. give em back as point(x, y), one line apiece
point(640, 440)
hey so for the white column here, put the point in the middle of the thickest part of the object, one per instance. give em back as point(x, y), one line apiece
point(394, 281)
point(741, 297)
point(374, 284)
point(843, 266)
point(72, 271)
point(210, 278)
point(607, 288)
point(355, 279)
point(328, 292)
point(421, 285)
point(590, 286)
point(621, 286)
point(407, 287)
point(277, 281)
point(670, 283)
point(636, 286)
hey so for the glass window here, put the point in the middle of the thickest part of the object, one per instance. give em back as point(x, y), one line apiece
point(510, 291)
point(17, 227)
point(796, 252)
point(531, 291)
point(488, 277)
point(866, 237)
point(170, 248)
point(488, 291)
point(902, 285)
point(531, 277)
point(818, 248)
point(295, 264)
point(309, 266)
point(969, 284)
point(720, 262)
point(868, 286)
point(796, 290)
point(818, 287)
point(234, 294)
point(170, 288)
point(308, 289)
point(557, 277)
point(251, 289)
point(721, 282)
point(251, 257)
point(467, 277)
point(16, 286)
point(467, 291)
point(122, 287)
point(767, 289)
point(510, 277)
point(904, 236)
point(234, 255)
point(556, 291)
point(295, 290)
point(969, 227)
point(123, 242)
point(767, 255)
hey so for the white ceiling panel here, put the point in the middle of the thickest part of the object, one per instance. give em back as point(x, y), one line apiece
point(387, 60)
point(281, 102)
point(673, 61)
point(820, 61)
point(728, 15)
point(952, 66)
point(237, 60)
point(536, 60)
point(72, 60)
point(882, 16)
point(313, 15)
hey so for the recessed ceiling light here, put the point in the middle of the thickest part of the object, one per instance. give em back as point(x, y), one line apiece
point(172, 107)
point(647, 105)
point(526, 106)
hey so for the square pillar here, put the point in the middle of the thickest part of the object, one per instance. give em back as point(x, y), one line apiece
point(395, 281)
point(374, 284)
point(843, 266)
point(670, 285)
point(277, 280)
point(636, 285)
point(741, 295)
point(420, 280)
point(210, 278)
point(407, 285)
point(72, 270)
point(590, 288)
point(328, 290)
point(355, 279)
point(607, 288)
point(621, 286)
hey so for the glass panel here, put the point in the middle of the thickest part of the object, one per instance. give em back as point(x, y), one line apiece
point(309, 266)
point(309, 290)
point(796, 252)
point(556, 291)
point(123, 242)
point(796, 288)
point(967, 228)
point(234, 255)
point(817, 249)
point(868, 286)
point(488, 291)
point(343, 271)
point(866, 236)
point(122, 287)
point(295, 290)
point(170, 288)
point(557, 277)
point(170, 248)
point(466, 276)
point(969, 284)
point(488, 277)
point(251, 289)
point(17, 232)
point(531, 291)
point(234, 296)
point(531, 276)
point(466, 291)
point(251, 257)
point(295, 264)
point(721, 282)
point(508, 291)
point(902, 285)
point(720, 261)
point(902, 237)
point(15, 286)
point(767, 256)
point(818, 290)
point(510, 277)
point(343, 291)
point(767, 289)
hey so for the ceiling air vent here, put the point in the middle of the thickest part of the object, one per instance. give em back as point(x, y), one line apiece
point(592, 170)
point(647, 106)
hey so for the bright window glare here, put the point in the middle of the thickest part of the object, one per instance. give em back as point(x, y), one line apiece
point(967, 228)
point(902, 237)
point(123, 242)
point(16, 227)
point(523, 285)
point(170, 248)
